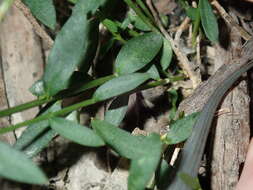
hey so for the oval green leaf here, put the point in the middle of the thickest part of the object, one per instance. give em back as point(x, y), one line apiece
point(138, 52)
point(76, 133)
point(127, 145)
point(74, 47)
point(208, 21)
point(16, 166)
point(44, 138)
point(34, 131)
point(142, 169)
point(167, 54)
point(120, 85)
point(181, 129)
point(43, 10)
point(117, 110)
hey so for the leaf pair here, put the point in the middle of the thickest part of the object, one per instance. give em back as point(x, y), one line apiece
point(205, 13)
point(144, 151)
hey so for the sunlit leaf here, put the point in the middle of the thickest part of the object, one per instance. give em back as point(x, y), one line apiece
point(75, 132)
point(138, 52)
point(120, 85)
point(16, 166)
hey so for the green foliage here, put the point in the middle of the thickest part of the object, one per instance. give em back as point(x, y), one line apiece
point(138, 52)
point(167, 54)
point(38, 88)
point(43, 10)
point(117, 110)
point(16, 166)
point(208, 20)
point(68, 73)
point(120, 85)
point(143, 168)
point(190, 181)
point(145, 151)
point(34, 132)
point(173, 97)
point(117, 138)
point(73, 48)
point(181, 129)
point(75, 132)
point(137, 21)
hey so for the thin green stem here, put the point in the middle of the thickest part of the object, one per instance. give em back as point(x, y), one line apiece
point(139, 12)
point(73, 107)
point(146, 10)
point(195, 29)
point(25, 106)
point(61, 112)
point(35, 103)
point(4, 7)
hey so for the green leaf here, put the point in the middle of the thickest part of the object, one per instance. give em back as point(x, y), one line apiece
point(143, 168)
point(208, 21)
point(74, 47)
point(138, 52)
point(163, 175)
point(173, 98)
point(117, 110)
point(167, 54)
point(192, 13)
point(120, 85)
point(43, 10)
point(16, 166)
point(76, 133)
point(190, 181)
point(127, 145)
point(38, 88)
point(181, 129)
point(110, 25)
point(137, 21)
point(34, 131)
point(44, 138)
point(153, 72)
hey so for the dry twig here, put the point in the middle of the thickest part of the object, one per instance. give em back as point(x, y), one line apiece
point(230, 21)
point(184, 63)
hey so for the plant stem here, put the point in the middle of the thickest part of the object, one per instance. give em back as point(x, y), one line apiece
point(146, 10)
point(139, 12)
point(73, 107)
point(4, 7)
point(61, 112)
point(25, 106)
point(195, 29)
point(34, 103)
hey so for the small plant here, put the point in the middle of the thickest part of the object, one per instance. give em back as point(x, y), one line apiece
point(145, 60)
